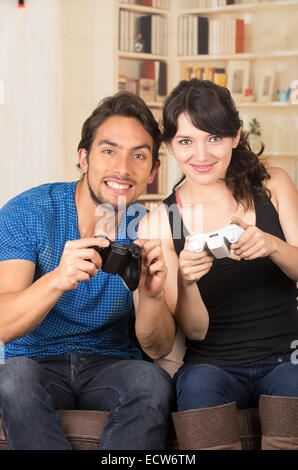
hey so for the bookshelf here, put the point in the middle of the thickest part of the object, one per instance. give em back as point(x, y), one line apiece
point(142, 66)
point(268, 61)
point(270, 46)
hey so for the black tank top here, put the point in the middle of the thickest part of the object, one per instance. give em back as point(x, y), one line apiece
point(252, 304)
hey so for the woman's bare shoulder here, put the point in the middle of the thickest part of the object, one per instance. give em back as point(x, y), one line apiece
point(155, 224)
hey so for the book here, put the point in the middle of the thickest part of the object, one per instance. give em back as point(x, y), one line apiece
point(161, 78)
point(152, 188)
point(148, 69)
point(122, 81)
point(147, 89)
point(220, 76)
point(147, 3)
point(157, 71)
point(146, 31)
point(239, 42)
point(203, 34)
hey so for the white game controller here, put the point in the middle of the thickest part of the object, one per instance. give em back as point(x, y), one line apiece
point(217, 242)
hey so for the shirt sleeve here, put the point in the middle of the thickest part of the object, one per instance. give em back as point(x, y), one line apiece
point(19, 230)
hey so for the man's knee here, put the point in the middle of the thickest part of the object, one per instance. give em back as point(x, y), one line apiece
point(17, 377)
point(150, 382)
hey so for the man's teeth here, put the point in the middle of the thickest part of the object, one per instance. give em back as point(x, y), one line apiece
point(113, 184)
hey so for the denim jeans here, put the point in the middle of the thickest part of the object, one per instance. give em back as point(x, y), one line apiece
point(205, 385)
point(138, 394)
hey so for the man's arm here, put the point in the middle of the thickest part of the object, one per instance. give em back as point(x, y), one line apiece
point(155, 325)
point(24, 303)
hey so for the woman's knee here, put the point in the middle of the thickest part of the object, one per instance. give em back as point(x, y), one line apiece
point(203, 386)
point(281, 381)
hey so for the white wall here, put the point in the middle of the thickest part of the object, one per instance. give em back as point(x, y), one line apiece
point(31, 118)
point(57, 62)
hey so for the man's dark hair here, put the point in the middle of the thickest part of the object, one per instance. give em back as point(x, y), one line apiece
point(124, 104)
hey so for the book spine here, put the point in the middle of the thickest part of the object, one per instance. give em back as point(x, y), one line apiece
point(146, 31)
point(239, 35)
point(203, 33)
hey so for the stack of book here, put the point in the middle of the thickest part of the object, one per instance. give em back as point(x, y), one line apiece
point(163, 4)
point(211, 3)
point(151, 85)
point(215, 36)
point(153, 29)
point(215, 74)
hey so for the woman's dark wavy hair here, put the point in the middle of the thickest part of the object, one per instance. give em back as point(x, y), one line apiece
point(212, 109)
point(126, 104)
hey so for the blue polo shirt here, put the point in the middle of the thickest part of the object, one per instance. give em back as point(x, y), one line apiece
point(93, 318)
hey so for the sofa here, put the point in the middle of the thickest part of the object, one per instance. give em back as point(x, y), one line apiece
point(84, 428)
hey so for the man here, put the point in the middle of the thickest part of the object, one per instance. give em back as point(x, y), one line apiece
point(64, 321)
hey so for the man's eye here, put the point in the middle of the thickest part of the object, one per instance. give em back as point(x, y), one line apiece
point(139, 156)
point(108, 151)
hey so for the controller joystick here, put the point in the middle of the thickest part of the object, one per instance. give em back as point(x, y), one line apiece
point(122, 259)
point(217, 242)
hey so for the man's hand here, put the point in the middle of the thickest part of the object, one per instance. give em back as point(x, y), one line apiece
point(79, 262)
point(253, 243)
point(193, 265)
point(154, 270)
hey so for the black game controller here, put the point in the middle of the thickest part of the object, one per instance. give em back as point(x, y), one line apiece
point(122, 259)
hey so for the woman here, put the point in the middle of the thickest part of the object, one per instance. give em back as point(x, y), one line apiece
point(238, 313)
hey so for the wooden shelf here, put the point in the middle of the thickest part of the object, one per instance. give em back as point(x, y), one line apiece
point(154, 104)
point(240, 56)
point(152, 197)
point(245, 7)
point(143, 8)
point(280, 153)
point(271, 104)
point(141, 56)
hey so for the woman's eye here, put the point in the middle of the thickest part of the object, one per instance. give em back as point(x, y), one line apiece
point(185, 141)
point(215, 138)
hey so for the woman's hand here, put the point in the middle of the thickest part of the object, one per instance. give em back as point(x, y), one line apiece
point(193, 265)
point(253, 243)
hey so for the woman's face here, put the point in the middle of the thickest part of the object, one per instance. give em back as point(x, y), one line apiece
point(203, 158)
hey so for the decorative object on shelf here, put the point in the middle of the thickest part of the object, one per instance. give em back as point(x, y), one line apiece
point(254, 135)
point(238, 78)
point(248, 95)
point(266, 86)
point(282, 95)
point(139, 45)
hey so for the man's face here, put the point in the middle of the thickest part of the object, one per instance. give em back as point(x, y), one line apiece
point(120, 162)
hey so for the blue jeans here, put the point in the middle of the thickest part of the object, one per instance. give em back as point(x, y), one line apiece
point(205, 385)
point(138, 395)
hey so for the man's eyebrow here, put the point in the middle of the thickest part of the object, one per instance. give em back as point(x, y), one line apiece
point(114, 144)
point(108, 142)
point(142, 146)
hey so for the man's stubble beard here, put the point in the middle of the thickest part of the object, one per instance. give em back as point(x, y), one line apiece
point(98, 199)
